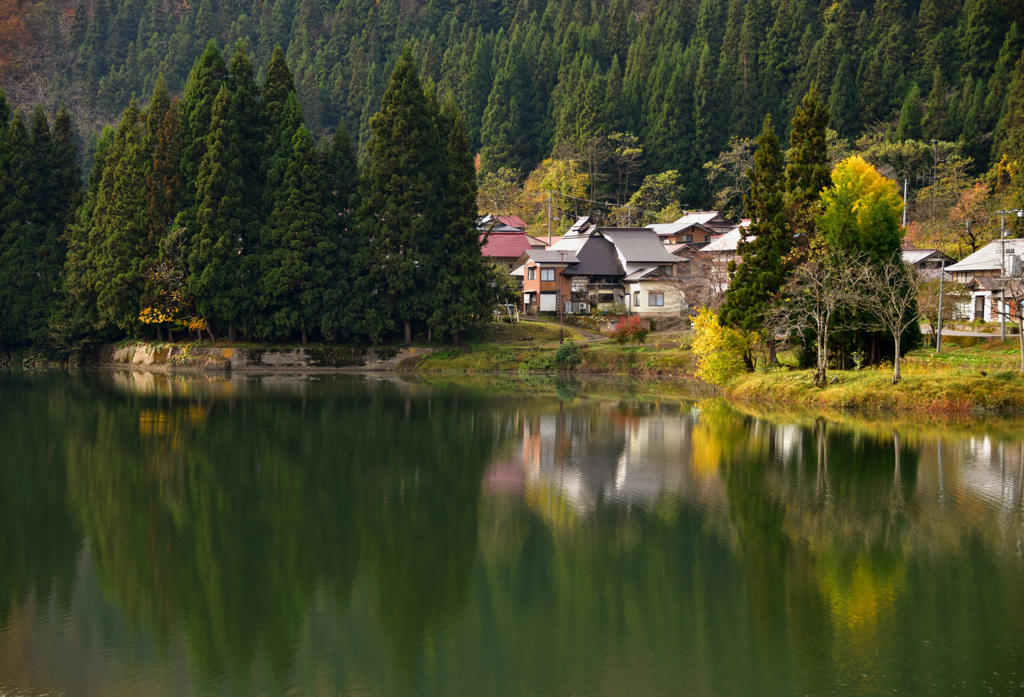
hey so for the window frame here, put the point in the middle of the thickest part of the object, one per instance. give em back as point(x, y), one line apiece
point(651, 297)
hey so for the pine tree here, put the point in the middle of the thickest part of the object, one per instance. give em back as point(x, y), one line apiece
point(909, 127)
point(208, 75)
point(807, 168)
point(461, 296)
point(401, 206)
point(756, 281)
point(120, 226)
point(505, 131)
point(217, 257)
point(341, 173)
point(300, 247)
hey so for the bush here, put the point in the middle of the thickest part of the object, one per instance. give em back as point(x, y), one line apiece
point(719, 349)
point(568, 356)
point(629, 330)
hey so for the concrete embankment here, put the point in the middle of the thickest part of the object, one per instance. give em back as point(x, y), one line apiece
point(188, 357)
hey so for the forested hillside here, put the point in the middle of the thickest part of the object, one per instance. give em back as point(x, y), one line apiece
point(682, 76)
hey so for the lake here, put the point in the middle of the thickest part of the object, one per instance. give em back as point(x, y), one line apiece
point(363, 535)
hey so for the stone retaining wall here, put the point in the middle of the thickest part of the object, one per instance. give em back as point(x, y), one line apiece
point(186, 357)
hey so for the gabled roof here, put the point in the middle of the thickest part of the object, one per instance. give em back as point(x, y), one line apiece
point(501, 223)
point(505, 244)
point(711, 220)
point(550, 256)
point(638, 245)
point(726, 242)
point(985, 283)
point(989, 257)
point(641, 274)
point(916, 256)
point(596, 254)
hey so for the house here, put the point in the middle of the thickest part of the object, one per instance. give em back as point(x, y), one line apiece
point(929, 262)
point(587, 270)
point(501, 223)
point(723, 249)
point(651, 282)
point(503, 249)
point(696, 228)
point(983, 272)
point(546, 287)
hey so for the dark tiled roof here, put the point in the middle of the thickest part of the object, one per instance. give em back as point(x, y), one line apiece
point(638, 245)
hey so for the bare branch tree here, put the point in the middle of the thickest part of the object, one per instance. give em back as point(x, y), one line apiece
point(890, 299)
point(1013, 295)
point(811, 298)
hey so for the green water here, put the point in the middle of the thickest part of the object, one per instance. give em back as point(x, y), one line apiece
point(365, 536)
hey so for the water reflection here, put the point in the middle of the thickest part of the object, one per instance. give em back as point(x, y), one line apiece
point(320, 535)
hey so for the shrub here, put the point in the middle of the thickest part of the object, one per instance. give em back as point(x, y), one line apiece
point(568, 356)
point(719, 349)
point(629, 330)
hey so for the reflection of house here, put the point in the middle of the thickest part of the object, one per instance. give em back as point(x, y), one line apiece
point(595, 263)
point(983, 271)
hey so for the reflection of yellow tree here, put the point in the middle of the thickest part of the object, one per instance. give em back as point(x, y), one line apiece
point(717, 433)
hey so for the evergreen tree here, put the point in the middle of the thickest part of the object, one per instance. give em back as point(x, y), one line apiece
point(300, 247)
point(807, 169)
point(121, 226)
point(461, 297)
point(756, 281)
point(341, 173)
point(505, 131)
point(401, 206)
point(208, 75)
point(909, 127)
point(217, 258)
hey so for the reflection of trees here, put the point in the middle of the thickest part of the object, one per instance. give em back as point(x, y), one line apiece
point(225, 528)
point(39, 539)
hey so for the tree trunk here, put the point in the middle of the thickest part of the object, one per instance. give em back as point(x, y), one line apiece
point(1020, 335)
point(773, 358)
point(896, 360)
point(820, 374)
point(159, 333)
point(408, 332)
point(303, 336)
point(208, 331)
point(170, 335)
point(231, 332)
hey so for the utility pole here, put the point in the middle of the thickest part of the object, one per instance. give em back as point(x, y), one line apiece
point(1002, 273)
point(904, 202)
point(938, 335)
point(549, 218)
point(561, 303)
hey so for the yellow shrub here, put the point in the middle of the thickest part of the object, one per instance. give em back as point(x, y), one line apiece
point(719, 349)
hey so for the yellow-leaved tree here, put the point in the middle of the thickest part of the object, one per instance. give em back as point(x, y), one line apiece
point(719, 349)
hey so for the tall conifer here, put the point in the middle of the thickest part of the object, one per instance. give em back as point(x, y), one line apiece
point(765, 248)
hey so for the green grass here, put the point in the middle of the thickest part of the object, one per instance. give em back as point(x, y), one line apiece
point(922, 389)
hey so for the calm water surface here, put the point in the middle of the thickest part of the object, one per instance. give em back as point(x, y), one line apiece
point(365, 536)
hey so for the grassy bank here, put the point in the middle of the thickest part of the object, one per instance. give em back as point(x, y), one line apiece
point(531, 347)
point(967, 377)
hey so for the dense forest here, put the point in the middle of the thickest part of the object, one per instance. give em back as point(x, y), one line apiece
point(218, 212)
point(682, 76)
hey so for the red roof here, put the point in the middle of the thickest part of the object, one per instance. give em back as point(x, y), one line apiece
point(506, 244)
point(512, 221)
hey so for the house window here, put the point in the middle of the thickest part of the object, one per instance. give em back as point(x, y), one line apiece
point(547, 274)
point(636, 298)
point(686, 238)
point(531, 273)
point(656, 300)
